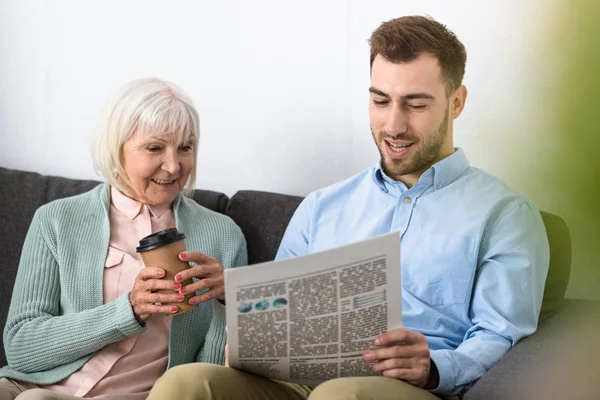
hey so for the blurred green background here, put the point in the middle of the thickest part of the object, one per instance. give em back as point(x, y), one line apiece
point(567, 177)
point(575, 158)
point(540, 132)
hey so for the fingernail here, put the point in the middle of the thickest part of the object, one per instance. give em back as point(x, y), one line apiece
point(177, 286)
point(178, 277)
point(160, 272)
point(182, 255)
point(369, 355)
point(193, 301)
point(180, 297)
point(174, 309)
point(182, 290)
point(378, 341)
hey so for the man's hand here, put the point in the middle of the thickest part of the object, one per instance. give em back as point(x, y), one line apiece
point(209, 273)
point(404, 354)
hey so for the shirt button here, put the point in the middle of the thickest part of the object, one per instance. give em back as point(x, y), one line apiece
point(438, 186)
point(407, 199)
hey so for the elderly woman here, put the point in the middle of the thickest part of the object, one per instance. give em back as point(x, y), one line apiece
point(87, 319)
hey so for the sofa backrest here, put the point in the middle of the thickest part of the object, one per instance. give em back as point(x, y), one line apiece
point(559, 271)
point(262, 216)
point(22, 193)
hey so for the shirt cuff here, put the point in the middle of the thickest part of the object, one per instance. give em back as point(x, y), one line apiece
point(444, 366)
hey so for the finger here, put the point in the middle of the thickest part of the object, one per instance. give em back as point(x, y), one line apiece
point(158, 309)
point(196, 257)
point(398, 336)
point(211, 294)
point(199, 271)
point(397, 351)
point(150, 273)
point(159, 284)
point(201, 284)
point(394, 363)
point(152, 298)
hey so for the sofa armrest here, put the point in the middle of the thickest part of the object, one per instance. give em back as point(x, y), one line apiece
point(539, 366)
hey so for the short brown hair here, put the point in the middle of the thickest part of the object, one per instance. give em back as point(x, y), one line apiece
point(404, 39)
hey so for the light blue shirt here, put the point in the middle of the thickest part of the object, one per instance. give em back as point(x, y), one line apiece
point(474, 256)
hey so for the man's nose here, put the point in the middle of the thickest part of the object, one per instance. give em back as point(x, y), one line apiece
point(396, 122)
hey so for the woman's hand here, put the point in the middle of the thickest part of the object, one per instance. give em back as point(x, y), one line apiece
point(144, 298)
point(209, 273)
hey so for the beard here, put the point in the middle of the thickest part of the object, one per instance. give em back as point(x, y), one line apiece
point(424, 152)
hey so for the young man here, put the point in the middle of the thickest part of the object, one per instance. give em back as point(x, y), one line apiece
point(474, 253)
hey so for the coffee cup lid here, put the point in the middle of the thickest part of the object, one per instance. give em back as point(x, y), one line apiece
point(159, 239)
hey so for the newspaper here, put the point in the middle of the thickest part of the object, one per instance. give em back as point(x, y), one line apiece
point(309, 319)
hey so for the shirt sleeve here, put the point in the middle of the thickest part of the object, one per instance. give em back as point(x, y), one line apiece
point(295, 241)
point(506, 300)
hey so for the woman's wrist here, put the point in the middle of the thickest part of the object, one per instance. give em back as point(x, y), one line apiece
point(139, 319)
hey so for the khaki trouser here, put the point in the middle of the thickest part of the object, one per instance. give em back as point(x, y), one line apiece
point(11, 390)
point(207, 381)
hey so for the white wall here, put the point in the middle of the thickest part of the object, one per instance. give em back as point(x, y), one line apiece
point(281, 87)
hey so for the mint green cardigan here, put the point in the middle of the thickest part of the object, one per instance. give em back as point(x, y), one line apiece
point(57, 319)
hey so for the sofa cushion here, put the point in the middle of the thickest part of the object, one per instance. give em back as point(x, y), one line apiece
point(22, 193)
point(524, 372)
point(263, 218)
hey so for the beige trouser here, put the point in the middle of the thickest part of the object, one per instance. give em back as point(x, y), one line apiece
point(11, 390)
point(208, 381)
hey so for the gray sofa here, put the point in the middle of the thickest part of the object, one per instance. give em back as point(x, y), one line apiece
point(263, 218)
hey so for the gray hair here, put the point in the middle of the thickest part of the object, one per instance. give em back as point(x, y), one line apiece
point(151, 107)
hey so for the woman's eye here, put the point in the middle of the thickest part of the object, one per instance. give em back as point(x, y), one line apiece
point(186, 148)
point(154, 149)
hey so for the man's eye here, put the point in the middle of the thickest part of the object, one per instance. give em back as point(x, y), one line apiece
point(380, 102)
point(417, 107)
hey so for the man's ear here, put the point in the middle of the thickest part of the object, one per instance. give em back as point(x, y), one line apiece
point(457, 101)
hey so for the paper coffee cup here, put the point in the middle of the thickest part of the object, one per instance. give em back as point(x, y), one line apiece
point(161, 250)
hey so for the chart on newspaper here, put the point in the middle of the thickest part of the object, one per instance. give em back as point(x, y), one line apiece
point(309, 319)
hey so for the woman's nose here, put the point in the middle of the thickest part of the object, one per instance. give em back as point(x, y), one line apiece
point(171, 164)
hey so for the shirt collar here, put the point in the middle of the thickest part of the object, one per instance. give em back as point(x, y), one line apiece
point(440, 174)
point(131, 208)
